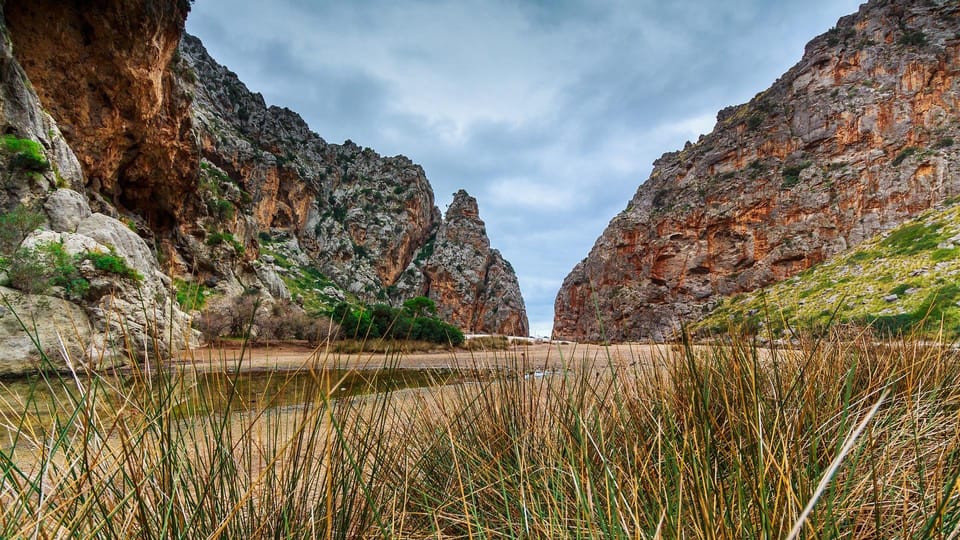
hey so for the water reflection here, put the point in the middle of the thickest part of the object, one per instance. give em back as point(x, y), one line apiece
point(42, 402)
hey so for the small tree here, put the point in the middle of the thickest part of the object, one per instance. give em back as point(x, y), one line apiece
point(420, 306)
point(15, 225)
point(354, 323)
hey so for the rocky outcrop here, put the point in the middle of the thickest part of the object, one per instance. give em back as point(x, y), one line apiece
point(363, 220)
point(35, 159)
point(132, 316)
point(101, 69)
point(853, 140)
point(361, 217)
point(472, 285)
point(22, 117)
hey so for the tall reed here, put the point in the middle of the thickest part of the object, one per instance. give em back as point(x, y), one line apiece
point(839, 437)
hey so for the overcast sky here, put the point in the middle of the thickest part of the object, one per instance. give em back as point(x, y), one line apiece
point(549, 112)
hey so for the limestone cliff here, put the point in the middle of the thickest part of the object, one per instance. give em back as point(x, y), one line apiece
point(472, 285)
point(129, 157)
point(48, 241)
point(359, 218)
point(856, 138)
point(101, 69)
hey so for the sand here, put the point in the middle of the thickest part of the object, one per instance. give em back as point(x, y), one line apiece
point(527, 357)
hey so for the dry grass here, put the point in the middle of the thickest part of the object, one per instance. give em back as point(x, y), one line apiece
point(384, 346)
point(486, 343)
point(841, 438)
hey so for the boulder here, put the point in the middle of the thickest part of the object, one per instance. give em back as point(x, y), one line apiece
point(66, 209)
point(114, 233)
point(34, 327)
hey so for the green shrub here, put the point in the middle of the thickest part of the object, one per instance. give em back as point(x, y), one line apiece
point(913, 38)
point(112, 263)
point(387, 322)
point(360, 251)
point(221, 209)
point(436, 331)
point(938, 308)
point(27, 272)
point(426, 251)
point(191, 295)
point(945, 142)
point(15, 225)
point(224, 237)
point(36, 270)
point(355, 322)
point(419, 306)
point(904, 154)
point(791, 174)
point(27, 155)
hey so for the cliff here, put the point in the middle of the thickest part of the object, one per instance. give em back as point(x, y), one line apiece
point(101, 70)
point(855, 139)
point(473, 286)
point(902, 282)
point(127, 147)
point(87, 287)
point(364, 221)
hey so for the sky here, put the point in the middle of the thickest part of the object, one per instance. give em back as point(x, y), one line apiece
point(549, 112)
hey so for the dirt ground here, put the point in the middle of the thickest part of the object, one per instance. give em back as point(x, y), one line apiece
point(527, 357)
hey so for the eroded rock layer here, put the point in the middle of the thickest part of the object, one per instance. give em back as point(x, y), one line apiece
point(365, 221)
point(856, 138)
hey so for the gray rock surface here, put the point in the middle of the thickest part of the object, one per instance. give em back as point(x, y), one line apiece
point(365, 221)
point(66, 209)
point(472, 285)
point(139, 316)
point(21, 115)
point(54, 324)
point(115, 234)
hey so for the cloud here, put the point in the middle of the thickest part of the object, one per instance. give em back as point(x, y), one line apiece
point(525, 193)
point(550, 112)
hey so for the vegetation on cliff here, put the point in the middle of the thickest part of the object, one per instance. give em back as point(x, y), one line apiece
point(900, 282)
point(856, 138)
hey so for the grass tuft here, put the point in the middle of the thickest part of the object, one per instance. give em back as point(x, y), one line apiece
point(839, 437)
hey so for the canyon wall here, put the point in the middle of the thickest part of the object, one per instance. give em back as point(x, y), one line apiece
point(136, 163)
point(859, 136)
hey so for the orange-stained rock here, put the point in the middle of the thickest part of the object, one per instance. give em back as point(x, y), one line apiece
point(854, 139)
point(175, 144)
point(472, 285)
point(366, 221)
point(101, 70)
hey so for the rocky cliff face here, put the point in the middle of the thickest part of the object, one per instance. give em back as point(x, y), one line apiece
point(155, 162)
point(472, 285)
point(361, 217)
point(96, 316)
point(859, 136)
point(365, 221)
point(101, 69)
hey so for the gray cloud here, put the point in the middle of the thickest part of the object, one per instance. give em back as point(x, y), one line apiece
point(549, 112)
